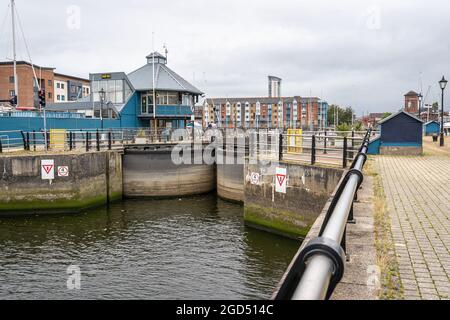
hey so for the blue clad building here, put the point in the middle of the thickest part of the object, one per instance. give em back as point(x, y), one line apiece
point(400, 134)
point(431, 127)
point(119, 100)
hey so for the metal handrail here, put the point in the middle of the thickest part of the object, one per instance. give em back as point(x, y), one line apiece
point(320, 265)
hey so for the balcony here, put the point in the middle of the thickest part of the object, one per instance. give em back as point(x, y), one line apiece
point(168, 111)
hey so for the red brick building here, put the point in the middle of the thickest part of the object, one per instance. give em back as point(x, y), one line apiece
point(412, 100)
point(27, 95)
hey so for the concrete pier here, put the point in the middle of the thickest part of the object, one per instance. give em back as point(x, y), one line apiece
point(92, 179)
point(292, 213)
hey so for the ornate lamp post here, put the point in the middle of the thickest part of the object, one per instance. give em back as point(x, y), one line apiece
point(442, 84)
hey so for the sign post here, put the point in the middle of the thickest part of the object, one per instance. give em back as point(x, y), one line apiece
point(280, 180)
point(47, 169)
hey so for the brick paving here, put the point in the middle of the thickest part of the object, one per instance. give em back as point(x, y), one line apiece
point(418, 202)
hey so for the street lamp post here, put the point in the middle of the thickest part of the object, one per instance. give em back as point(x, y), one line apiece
point(102, 100)
point(442, 84)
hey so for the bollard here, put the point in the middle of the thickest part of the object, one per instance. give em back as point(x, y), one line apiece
point(313, 150)
point(325, 143)
point(344, 154)
point(1, 147)
point(87, 141)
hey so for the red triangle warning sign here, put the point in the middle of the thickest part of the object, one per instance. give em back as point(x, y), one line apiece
point(281, 178)
point(47, 168)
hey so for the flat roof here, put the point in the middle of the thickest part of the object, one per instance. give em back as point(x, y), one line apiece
point(62, 75)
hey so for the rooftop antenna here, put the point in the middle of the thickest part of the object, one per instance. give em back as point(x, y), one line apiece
point(154, 89)
point(166, 51)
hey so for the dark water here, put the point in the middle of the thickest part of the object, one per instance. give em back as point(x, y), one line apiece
point(196, 248)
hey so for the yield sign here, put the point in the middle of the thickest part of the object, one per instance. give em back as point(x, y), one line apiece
point(48, 169)
point(280, 178)
point(280, 183)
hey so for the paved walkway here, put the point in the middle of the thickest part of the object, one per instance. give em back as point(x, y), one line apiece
point(418, 201)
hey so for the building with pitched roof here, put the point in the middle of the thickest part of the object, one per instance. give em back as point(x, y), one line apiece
point(151, 96)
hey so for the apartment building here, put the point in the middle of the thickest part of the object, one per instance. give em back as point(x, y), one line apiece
point(70, 88)
point(264, 112)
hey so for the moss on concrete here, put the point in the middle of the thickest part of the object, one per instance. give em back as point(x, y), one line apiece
point(276, 221)
point(59, 205)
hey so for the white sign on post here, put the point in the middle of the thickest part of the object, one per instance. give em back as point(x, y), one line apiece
point(280, 180)
point(254, 178)
point(48, 169)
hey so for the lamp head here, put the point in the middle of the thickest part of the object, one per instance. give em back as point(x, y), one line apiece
point(443, 83)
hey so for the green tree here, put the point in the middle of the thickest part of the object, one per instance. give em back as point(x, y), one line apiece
point(344, 115)
point(435, 107)
point(385, 115)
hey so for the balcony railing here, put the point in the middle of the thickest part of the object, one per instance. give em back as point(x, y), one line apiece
point(169, 110)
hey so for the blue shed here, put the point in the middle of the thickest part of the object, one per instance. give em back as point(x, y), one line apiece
point(401, 134)
point(431, 127)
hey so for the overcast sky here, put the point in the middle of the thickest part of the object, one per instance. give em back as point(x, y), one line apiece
point(365, 54)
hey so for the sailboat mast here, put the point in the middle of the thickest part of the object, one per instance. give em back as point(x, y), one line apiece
point(16, 89)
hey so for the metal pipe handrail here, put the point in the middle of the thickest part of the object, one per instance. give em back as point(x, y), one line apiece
point(320, 265)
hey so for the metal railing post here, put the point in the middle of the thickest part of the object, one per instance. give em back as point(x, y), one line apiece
point(70, 140)
point(47, 135)
point(109, 140)
point(24, 140)
point(313, 149)
point(34, 140)
point(344, 154)
point(87, 141)
point(325, 143)
point(97, 138)
point(28, 140)
point(1, 147)
point(280, 147)
point(257, 144)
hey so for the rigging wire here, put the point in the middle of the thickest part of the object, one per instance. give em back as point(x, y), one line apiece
point(27, 49)
point(3, 29)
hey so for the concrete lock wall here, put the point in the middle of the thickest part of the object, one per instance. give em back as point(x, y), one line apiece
point(150, 172)
point(308, 189)
point(230, 174)
point(93, 179)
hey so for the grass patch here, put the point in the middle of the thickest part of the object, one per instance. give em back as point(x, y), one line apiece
point(391, 288)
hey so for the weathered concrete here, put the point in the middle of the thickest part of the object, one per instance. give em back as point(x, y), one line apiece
point(293, 213)
point(401, 151)
point(230, 175)
point(94, 178)
point(150, 172)
point(418, 203)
